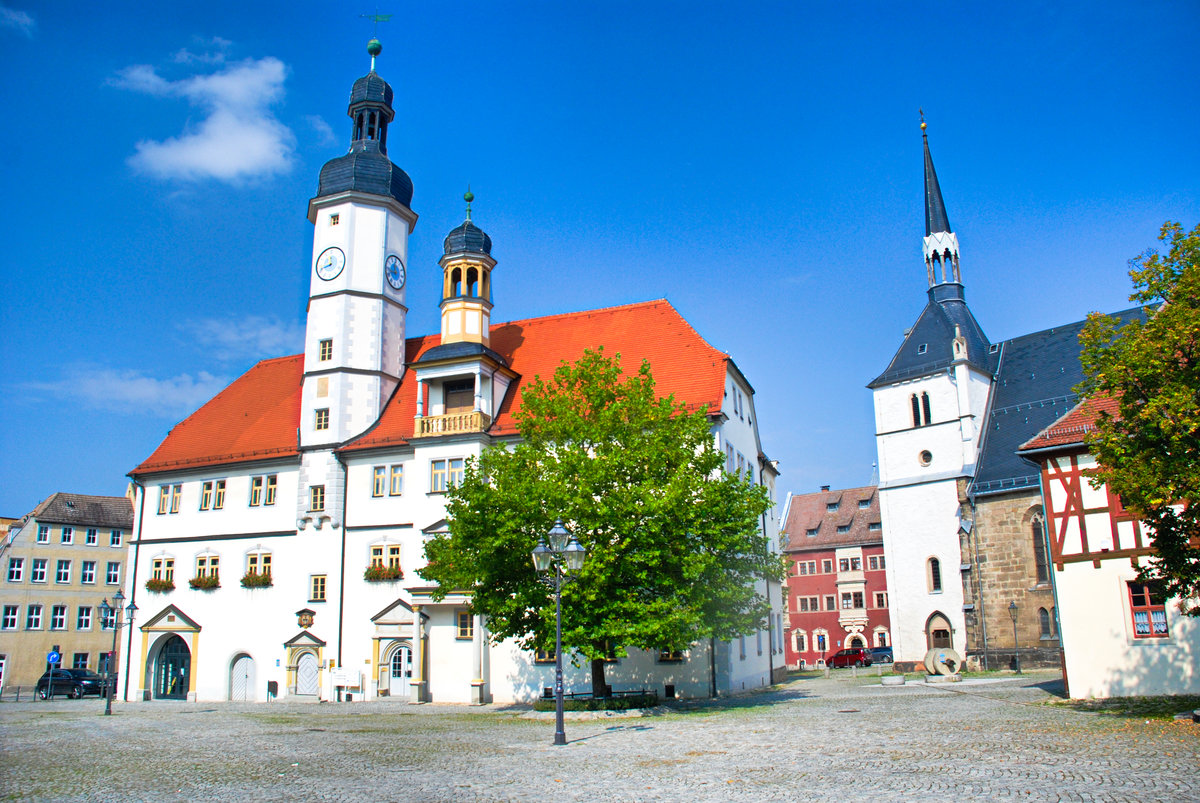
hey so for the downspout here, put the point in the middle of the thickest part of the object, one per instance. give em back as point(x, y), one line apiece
point(342, 566)
point(712, 664)
point(137, 546)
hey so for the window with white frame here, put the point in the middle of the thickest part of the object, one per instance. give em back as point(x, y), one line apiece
point(43, 535)
point(16, 569)
point(38, 574)
point(83, 618)
point(62, 573)
point(87, 572)
point(113, 574)
point(827, 566)
point(33, 617)
point(68, 535)
point(875, 562)
point(108, 618)
point(58, 617)
point(880, 599)
point(9, 620)
point(800, 641)
point(114, 538)
point(79, 660)
point(92, 537)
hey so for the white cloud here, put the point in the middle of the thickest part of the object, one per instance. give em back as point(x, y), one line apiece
point(131, 391)
point(324, 132)
point(253, 336)
point(239, 139)
point(18, 20)
point(213, 51)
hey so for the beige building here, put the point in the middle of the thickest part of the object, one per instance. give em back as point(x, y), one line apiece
point(59, 563)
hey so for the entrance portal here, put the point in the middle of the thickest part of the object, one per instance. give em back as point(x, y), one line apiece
point(241, 679)
point(937, 632)
point(173, 670)
point(306, 674)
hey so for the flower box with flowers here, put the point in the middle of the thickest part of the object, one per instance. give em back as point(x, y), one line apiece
point(379, 574)
point(159, 586)
point(256, 580)
point(206, 583)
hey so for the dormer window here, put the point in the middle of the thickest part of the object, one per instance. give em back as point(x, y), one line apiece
point(921, 349)
point(832, 506)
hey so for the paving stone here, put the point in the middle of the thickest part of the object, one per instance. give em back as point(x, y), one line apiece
point(979, 739)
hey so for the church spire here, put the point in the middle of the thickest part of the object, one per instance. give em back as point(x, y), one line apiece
point(940, 244)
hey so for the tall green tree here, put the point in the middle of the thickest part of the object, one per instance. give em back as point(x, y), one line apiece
point(1149, 452)
point(674, 549)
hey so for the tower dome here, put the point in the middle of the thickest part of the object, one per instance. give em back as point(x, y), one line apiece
point(366, 167)
point(468, 238)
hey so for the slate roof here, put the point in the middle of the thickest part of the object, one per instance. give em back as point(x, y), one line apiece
point(1034, 387)
point(1069, 430)
point(368, 171)
point(807, 512)
point(85, 510)
point(467, 237)
point(255, 418)
point(934, 330)
point(936, 218)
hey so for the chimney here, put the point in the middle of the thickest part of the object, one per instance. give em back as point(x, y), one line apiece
point(824, 487)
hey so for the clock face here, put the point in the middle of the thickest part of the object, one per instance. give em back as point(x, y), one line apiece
point(330, 263)
point(393, 268)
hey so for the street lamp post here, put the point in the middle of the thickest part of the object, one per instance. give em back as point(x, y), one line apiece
point(558, 563)
point(1012, 613)
point(120, 618)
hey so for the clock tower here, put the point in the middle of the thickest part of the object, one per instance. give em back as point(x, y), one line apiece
point(354, 339)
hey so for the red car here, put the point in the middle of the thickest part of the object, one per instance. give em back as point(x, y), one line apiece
point(855, 656)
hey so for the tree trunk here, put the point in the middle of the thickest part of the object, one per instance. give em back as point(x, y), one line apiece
point(599, 688)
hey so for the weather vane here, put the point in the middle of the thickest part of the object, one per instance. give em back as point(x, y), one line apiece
point(921, 112)
point(377, 18)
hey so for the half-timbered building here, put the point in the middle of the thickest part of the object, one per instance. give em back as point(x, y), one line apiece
point(1121, 636)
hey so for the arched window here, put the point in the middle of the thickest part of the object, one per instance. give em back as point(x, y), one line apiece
point(934, 574)
point(916, 410)
point(472, 282)
point(925, 409)
point(1046, 629)
point(1041, 565)
point(456, 282)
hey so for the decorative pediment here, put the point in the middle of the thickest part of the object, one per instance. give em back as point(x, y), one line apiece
point(171, 618)
point(439, 526)
point(304, 639)
point(397, 613)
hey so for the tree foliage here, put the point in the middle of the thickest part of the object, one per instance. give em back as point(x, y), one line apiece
point(674, 550)
point(1149, 452)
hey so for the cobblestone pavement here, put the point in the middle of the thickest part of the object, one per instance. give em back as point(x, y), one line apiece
point(809, 739)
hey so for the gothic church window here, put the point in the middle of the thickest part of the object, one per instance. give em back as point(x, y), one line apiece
point(934, 575)
point(1039, 550)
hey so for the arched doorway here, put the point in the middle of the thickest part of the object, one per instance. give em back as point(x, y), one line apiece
point(855, 641)
point(173, 670)
point(938, 632)
point(307, 672)
point(241, 678)
point(396, 673)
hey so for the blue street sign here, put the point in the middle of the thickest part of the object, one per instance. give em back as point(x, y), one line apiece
point(53, 657)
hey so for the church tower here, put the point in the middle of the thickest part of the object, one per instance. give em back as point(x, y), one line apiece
point(929, 403)
point(354, 339)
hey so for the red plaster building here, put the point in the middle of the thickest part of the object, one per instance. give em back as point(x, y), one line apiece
point(836, 589)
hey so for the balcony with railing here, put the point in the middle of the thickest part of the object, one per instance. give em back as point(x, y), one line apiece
point(453, 423)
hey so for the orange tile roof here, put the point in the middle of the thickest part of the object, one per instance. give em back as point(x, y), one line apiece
point(683, 363)
point(1070, 429)
point(256, 417)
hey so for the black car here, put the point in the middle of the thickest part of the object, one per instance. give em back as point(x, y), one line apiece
point(881, 655)
point(71, 683)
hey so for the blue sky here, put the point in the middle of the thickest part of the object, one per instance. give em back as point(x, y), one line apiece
point(758, 164)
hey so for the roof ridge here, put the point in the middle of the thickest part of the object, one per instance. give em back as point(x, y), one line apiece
point(580, 313)
point(1118, 313)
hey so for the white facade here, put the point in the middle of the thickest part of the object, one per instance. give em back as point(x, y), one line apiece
point(922, 465)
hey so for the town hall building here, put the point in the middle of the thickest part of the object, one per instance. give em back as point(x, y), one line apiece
point(280, 528)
